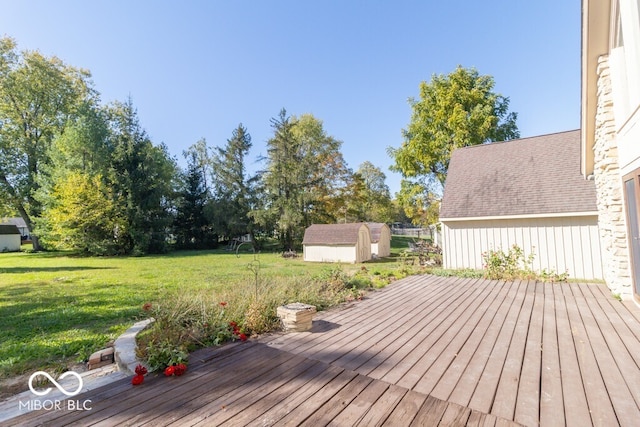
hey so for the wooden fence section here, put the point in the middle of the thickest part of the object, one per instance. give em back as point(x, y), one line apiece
point(424, 351)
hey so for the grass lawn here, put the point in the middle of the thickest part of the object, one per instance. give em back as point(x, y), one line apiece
point(56, 308)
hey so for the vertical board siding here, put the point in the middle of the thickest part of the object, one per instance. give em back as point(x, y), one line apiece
point(559, 244)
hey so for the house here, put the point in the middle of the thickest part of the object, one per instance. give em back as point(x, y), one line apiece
point(380, 239)
point(527, 192)
point(20, 223)
point(610, 143)
point(10, 238)
point(337, 243)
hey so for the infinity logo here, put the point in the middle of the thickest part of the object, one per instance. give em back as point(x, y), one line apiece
point(58, 386)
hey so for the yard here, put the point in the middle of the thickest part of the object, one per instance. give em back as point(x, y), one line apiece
point(56, 309)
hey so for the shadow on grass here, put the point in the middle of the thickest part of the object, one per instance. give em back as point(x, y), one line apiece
point(19, 270)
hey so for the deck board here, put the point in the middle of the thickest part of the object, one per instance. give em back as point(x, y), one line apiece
point(424, 351)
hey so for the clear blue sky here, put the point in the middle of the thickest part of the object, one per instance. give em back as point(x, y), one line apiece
point(196, 69)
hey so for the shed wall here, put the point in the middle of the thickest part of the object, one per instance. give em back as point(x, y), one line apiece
point(560, 244)
point(323, 253)
point(9, 242)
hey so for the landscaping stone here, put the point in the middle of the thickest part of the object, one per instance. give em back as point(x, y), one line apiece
point(125, 347)
point(101, 358)
point(296, 317)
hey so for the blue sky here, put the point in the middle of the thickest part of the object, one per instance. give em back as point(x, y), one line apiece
point(196, 69)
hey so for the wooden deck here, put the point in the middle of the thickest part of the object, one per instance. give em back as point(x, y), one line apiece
point(425, 351)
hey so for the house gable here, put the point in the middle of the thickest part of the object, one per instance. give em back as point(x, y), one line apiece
point(538, 176)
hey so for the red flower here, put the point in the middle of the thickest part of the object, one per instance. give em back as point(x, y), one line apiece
point(146, 306)
point(137, 380)
point(223, 304)
point(169, 370)
point(234, 325)
point(141, 370)
point(180, 369)
point(242, 337)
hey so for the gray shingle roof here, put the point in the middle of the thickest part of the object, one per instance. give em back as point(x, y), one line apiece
point(529, 176)
point(332, 234)
point(9, 229)
point(376, 230)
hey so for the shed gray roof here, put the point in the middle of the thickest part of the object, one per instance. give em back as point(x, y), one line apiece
point(376, 230)
point(529, 176)
point(9, 229)
point(332, 234)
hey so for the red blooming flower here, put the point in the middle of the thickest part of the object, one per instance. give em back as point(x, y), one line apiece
point(180, 369)
point(137, 380)
point(223, 304)
point(146, 306)
point(170, 370)
point(141, 370)
point(242, 337)
point(234, 325)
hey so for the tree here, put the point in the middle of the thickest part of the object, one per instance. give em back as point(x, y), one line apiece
point(38, 96)
point(232, 186)
point(143, 178)
point(305, 177)
point(371, 199)
point(79, 209)
point(191, 227)
point(456, 110)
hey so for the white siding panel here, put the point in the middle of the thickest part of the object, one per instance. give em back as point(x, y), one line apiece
point(558, 244)
point(322, 253)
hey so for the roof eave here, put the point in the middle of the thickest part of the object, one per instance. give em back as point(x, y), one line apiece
point(595, 42)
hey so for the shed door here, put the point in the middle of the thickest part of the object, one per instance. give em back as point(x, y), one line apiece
point(632, 190)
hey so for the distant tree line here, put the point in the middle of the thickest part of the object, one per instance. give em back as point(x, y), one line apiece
point(87, 177)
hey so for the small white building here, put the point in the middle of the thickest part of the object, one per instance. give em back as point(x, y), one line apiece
point(350, 243)
point(527, 192)
point(10, 238)
point(380, 239)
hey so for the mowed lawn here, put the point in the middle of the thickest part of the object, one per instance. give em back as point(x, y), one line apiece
point(56, 309)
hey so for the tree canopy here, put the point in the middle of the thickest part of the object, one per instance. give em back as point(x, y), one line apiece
point(456, 110)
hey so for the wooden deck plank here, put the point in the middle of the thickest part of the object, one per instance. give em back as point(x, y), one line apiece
point(430, 412)
point(338, 402)
point(466, 386)
point(392, 349)
point(528, 401)
point(455, 416)
point(291, 400)
point(322, 395)
point(600, 407)
point(551, 410)
point(377, 343)
point(449, 380)
point(356, 345)
point(504, 404)
point(361, 404)
point(485, 388)
point(383, 407)
point(443, 343)
point(406, 410)
point(605, 341)
point(400, 356)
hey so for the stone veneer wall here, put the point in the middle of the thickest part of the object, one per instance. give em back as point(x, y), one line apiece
point(611, 213)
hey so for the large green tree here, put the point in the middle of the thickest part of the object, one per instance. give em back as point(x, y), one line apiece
point(371, 199)
point(455, 110)
point(304, 178)
point(38, 96)
point(233, 194)
point(143, 178)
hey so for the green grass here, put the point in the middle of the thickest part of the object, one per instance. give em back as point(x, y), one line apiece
point(56, 308)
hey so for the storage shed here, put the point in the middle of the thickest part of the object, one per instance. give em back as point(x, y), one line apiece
point(337, 243)
point(380, 239)
point(527, 192)
point(10, 238)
